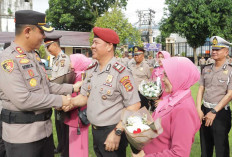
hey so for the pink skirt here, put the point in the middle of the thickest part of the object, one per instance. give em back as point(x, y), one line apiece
point(78, 144)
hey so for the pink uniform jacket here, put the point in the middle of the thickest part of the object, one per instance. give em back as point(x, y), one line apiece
point(177, 111)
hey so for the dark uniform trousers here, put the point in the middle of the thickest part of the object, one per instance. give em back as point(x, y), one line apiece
point(62, 134)
point(99, 137)
point(2, 146)
point(144, 101)
point(217, 134)
point(41, 148)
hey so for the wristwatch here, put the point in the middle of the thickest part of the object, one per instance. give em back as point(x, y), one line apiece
point(213, 111)
point(118, 131)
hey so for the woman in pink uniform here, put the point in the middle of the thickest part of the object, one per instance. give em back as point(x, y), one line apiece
point(177, 111)
point(78, 144)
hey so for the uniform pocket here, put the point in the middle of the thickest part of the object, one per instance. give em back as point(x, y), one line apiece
point(222, 81)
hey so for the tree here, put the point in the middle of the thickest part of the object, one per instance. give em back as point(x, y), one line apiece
point(116, 20)
point(78, 15)
point(196, 20)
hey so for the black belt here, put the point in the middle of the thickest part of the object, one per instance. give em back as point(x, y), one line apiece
point(18, 117)
point(102, 127)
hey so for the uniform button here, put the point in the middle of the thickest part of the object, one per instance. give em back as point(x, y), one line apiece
point(104, 97)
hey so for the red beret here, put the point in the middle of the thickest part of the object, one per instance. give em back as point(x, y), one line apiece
point(106, 34)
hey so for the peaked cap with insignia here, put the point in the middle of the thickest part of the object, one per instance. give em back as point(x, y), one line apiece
point(219, 43)
point(30, 17)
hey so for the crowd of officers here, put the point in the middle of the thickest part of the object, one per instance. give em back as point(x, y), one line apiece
point(109, 87)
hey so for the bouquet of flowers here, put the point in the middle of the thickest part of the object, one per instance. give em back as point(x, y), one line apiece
point(140, 127)
point(151, 90)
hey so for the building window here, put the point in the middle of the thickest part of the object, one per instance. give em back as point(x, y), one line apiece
point(26, 0)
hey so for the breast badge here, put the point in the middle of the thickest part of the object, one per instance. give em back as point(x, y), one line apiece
point(225, 72)
point(30, 72)
point(8, 65)
point(33, 82)
point(109, 79)
point(24, 61)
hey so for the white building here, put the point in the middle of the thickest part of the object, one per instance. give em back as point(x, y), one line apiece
point(7, 12)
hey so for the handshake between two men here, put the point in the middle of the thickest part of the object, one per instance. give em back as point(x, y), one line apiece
point(68, 103)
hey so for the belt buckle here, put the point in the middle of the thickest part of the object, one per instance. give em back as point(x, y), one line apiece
point(94, 127)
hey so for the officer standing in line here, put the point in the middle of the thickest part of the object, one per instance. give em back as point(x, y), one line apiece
point(107, 89)
point(2, 146)
point(216, 91)
point(60, 66)
point(140, 71)
point(124, 59)
point(26, 93)
point(61, 61)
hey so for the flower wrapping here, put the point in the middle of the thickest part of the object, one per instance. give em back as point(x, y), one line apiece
point(140, 128)
point(151, 90)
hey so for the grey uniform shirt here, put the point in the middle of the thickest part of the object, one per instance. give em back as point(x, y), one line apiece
point(140, 72)
point(216, 82)
point(109, 91)
point(60, 65)
point(24, 86)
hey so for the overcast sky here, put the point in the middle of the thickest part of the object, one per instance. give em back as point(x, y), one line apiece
point(132, 7)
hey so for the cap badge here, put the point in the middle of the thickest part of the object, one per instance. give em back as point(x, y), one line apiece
point(33, 82)
point(215, 41)
point(8, 65)
point(24, 61)
point(136, 49)
point(109, 78)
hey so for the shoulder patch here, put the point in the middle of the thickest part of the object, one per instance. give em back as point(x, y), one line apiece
point(8, 65)
point(120, 68)
point(91, 66)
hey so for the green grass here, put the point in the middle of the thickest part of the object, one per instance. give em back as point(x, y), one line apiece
point(195, 152)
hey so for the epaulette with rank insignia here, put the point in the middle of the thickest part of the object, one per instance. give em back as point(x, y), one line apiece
point(120, 68)
point(230, 64)
point(208, 64)
point(91, 65)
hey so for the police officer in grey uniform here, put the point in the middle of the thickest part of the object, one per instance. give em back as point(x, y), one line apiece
point(216, 92)
point(26, 93)
point(60, 66)
point(140, 71)
point(61, 61)
point(107, 89)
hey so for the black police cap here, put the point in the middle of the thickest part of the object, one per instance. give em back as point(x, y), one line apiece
point(31, 17)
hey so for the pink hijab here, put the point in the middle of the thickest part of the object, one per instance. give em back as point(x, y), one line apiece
point(158, 72)
point(182, 74)
point(80, 63)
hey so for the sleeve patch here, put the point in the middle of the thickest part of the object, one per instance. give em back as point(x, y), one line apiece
point(8, 65)
point(125, 81)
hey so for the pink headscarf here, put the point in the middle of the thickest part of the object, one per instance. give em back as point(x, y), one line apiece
point(182, 74)
point(158, 72)
point(80, 63)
